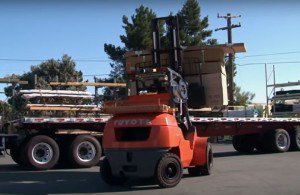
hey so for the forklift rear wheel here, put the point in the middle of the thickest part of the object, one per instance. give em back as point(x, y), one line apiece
point(207, 167)
point(295, 139)
point(168, 171)
point(107, 176)
point(85, 151)
point(41, 152)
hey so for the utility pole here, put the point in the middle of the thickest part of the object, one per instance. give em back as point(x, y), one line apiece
point(229, 28)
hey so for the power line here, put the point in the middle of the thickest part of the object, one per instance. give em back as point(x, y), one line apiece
point(269, 54)
point(40, 60)
point(259, 63)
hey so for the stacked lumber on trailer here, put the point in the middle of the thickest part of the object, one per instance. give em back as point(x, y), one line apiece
point(88, 84)
point(62, 107)
point(29, 94)
point(35, 95)
point(45, 106)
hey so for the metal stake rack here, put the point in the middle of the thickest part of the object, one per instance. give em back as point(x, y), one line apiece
point(272, 96)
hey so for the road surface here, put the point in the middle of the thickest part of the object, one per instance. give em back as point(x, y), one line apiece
point(233, 174)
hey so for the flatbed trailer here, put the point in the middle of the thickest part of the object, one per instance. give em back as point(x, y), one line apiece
point(248, 134)
point(264, 134)
point(42, 143)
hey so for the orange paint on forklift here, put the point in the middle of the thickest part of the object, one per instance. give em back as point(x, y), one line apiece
point(160, 131)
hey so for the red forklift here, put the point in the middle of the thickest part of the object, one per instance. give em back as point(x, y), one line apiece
point(150, 134)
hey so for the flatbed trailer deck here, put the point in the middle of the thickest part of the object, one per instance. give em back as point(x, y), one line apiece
point(241, 126)
point(248, 133)
point(263, 134)
point(90, 124)
point(42, 142)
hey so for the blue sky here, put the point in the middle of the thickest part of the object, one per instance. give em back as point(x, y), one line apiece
point(43, 29)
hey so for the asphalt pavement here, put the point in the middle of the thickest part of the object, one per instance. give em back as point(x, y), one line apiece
point(233, 173)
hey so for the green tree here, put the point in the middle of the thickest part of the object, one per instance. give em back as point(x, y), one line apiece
point(61, 70)
point(117, 73)
point(242, 98)
point(138, 36)
point(139, 30)
point(5, 111)
point(193, 28)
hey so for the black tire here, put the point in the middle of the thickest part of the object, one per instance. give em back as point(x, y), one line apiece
point(64, 144)
point(85, 151)
point(107, 176)
point(260, 146)
point(244, 143)
point(168, 171)
point(15, 154)
point(194, 171)
point(277, 141)
point(295, 140)
point(205, 169)
point(41, 152)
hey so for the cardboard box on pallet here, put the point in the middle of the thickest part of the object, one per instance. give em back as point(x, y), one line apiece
point(200, 54)
point(192, 68)
point(142, 59)
point(193, 79)
point(215, 88)
point(213, 67)
point(195, 54)
point(134, 58)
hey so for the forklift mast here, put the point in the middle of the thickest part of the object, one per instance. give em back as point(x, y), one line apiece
point(178, 87)
point(172, 48)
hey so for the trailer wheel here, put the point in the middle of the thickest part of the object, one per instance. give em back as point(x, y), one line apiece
point(243, 143)
point(205, 169)
point(15, 154)
point(168, 171)
point(107, 176)
point(41, 152)
point(295, 139)
point(277, 141)
point(260, 146)
point(85, 151)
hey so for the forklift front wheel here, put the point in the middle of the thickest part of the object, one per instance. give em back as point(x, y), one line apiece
point(168, 171)
point(206, 168)
point(107, 176)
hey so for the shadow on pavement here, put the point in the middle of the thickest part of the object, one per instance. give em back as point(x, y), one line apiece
point(235, 153)
point(16, 180)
